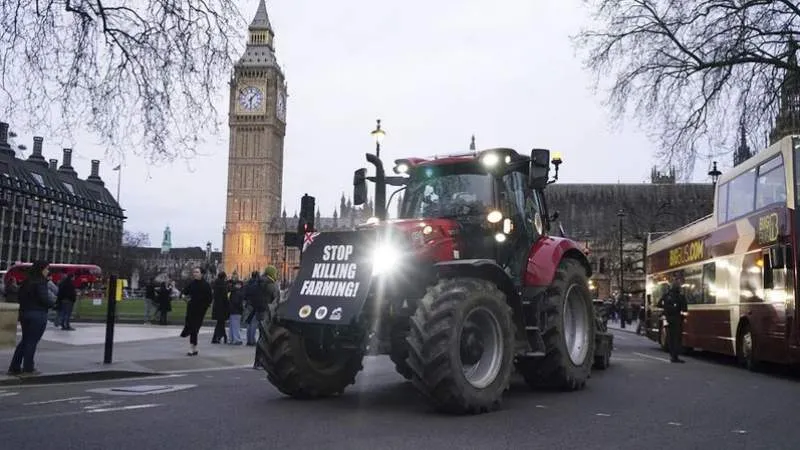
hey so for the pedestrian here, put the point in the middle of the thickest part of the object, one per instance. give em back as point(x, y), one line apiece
point(236, 310)
point(220, 308)
point(150, 303)
point(34, 303)
point(674, 305)
point(200, 298)
point(66, 297)
point(272, 296)
point(164, 302)
point(256, 301)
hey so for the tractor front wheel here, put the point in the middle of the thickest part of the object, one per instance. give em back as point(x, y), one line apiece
point(568, 332)
point(461, 346)
point(299, 370)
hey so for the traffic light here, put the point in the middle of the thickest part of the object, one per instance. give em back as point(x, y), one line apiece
point(306, 223)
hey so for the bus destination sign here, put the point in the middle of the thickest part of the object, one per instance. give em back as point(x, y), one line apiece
point(768, 228)
point(687, 253)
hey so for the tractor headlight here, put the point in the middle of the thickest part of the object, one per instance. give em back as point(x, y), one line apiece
point(385, 258)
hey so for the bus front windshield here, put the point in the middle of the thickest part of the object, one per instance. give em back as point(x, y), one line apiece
point(447, 195)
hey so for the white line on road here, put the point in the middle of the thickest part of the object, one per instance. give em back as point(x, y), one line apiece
point(41, 416)
point(674, 424)
point(47, 402)
point(211, 369)
point(8, 394)
point(108, 381)
point(740, 431)
point(651, 357)
point(123, 408)
point(603, 415)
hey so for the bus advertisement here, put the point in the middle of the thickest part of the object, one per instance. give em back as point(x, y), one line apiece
point(737, 266)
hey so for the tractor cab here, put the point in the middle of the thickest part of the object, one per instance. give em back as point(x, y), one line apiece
point(490, 204)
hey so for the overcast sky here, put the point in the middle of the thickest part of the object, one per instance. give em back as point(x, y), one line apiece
point(435, 72)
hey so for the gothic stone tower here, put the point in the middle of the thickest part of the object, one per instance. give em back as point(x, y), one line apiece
point(257, 120)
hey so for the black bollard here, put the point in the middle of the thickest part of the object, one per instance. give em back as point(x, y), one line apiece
point(111, 317)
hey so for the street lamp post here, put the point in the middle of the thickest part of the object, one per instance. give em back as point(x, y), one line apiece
point(620, 215)
point(714, 173)
point(378, 135)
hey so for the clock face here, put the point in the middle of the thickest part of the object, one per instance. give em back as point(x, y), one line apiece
point(281, 106)
point(250, 98)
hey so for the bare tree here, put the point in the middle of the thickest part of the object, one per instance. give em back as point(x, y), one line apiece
point(135, 239)
point(142, 75)
point(690, 70)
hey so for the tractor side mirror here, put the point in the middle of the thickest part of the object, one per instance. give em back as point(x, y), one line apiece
point(539, 171)
point(360, 187)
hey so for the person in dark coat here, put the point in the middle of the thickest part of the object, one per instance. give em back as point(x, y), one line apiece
point(236, 310)
point(66, 297)
point(34, 303)
point(220, 308)
point(200, 297)
point(164, 302)
point(255, 297)
point(674, 305)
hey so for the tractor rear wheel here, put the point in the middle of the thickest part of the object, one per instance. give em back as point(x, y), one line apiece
point(568, 332)
point(461, 346)
point(298, 370)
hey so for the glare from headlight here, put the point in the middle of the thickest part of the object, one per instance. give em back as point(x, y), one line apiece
point(384, 259)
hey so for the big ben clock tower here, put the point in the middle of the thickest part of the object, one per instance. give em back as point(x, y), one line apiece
point(257, 121)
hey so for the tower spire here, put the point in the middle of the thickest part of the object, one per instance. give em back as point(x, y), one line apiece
point(788, 120)
point(261, 19)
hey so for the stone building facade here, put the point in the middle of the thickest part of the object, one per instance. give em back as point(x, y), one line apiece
point(48, 212)
point(257, 119)
point(589, 214)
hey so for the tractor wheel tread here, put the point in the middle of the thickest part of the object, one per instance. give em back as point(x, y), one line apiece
point(434, 330)
point(284, 358)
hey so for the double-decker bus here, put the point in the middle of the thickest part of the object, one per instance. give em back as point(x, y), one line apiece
point(737, 267)
point(84, 275)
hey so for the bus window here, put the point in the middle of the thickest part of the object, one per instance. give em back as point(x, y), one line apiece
point(722, 204)
point(750, 278)
point(766, 270)
point(771, 185)
point(741, 198)
point(693, 285)
point(709, 283)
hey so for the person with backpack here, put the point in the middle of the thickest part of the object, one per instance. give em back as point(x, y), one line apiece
point(674, 305)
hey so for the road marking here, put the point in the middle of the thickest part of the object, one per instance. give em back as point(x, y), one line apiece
point(47, 402)
point(603, 415)
point(656, 358)
point(740, 431)
point(79, 383)
point(123, 408)
point(213, 369)
point(8, 394)
point(541, 406)
point(41, 416)
point(674, 424)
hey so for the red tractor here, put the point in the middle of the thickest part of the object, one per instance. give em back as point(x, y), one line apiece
point(469, 283)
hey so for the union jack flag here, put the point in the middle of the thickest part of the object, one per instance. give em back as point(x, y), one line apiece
point(309, 238)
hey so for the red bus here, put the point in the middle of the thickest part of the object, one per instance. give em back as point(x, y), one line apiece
point(738, 266)
point(85, 275)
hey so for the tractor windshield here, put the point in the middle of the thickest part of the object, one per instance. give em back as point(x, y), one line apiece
point(433, 192)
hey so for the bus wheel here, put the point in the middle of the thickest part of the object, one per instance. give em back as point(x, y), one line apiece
point(746, 348)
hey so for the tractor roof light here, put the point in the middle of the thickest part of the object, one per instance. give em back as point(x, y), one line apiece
point(557, 159)
point(490, 159)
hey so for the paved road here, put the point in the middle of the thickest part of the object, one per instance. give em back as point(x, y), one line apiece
point(641, 402)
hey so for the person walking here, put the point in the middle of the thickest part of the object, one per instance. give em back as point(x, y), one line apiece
point(66, 297)
point(220, 308)
point(200, 298)
point(236, 310)
point(34, 303)
point(674, 306)
point(272, 296)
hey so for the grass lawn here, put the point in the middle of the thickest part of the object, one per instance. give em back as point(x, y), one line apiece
point(130, 308)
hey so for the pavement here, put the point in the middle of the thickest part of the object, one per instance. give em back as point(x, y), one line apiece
point(641, 401)
point(139, 350)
